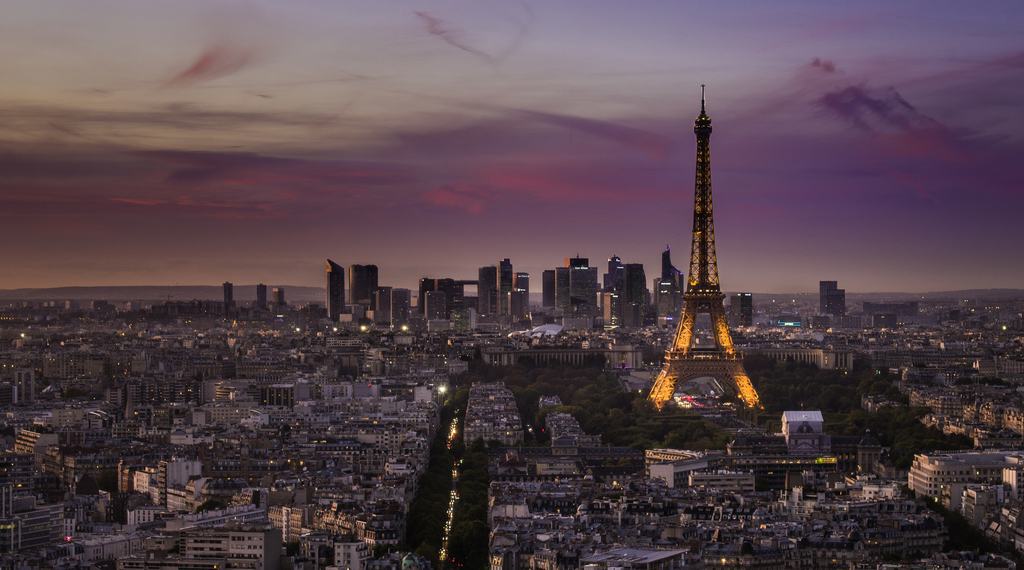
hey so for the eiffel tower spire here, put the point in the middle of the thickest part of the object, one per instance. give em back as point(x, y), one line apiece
point(703, 296)
point(703, 275)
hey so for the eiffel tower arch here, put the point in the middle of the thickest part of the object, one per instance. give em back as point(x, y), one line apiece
point(703, 295)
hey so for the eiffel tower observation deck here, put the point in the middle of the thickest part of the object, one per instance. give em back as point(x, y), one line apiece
point(703, 296)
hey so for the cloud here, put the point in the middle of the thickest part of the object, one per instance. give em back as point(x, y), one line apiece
point(211, 207)
point(887, 115)
point(826, 65)
point(252, 170)
point(155, 125)
point(437, 28)
point(456, 37)
point(655, 145)
point(215, 62)
point(470, 198)
point(876, 112)
point(914, 183)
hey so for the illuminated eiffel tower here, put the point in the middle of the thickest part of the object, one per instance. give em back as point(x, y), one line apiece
point(703, 294)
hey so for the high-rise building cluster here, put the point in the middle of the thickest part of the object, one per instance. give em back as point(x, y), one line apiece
point(366, 300)
point(232, 309)
point(571, 295)
point(832, 299)
point(621, 299)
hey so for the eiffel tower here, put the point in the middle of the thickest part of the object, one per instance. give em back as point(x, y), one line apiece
point(684, 362)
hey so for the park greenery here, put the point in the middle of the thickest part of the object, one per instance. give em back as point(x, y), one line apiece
point(786, 385)
point(467, 544)
point(428, 511)
point(594, 396)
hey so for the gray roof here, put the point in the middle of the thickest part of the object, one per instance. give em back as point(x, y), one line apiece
point(802, 416)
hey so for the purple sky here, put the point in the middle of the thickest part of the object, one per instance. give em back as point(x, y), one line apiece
point(148, 142)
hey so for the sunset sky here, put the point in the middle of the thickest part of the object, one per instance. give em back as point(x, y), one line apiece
point(879, 144)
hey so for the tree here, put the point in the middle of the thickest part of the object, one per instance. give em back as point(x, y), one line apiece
point(106, 480)
point(210, 505)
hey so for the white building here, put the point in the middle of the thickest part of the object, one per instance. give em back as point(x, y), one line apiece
point(350, 555)
point(930, 473)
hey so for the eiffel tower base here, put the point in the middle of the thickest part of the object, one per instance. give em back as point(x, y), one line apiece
point(679, 370)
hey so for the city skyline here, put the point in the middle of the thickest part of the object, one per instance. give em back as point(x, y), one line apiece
point(212, 142)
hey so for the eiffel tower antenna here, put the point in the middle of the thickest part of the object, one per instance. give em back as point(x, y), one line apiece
point(703, 295)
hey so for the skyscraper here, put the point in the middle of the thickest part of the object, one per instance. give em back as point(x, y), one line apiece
point(435, 306)
point(633, 301)
point(521, 282)
point(426, 284)
point(668, 271)
point(742, 306)
point(613, 278)
point(335, 290)
point(278, 297)
point(563, 291)
point(576, 288)
point(229, 297)
point(362, 282)
point(666, 300)
point(487, 290)
point(517, 304)
point(505, 284)
point(547, 282)
point(382, 300)
point(261, 296)
point(611, 308)
point(401, 299)
point(831, 299)
point(668, 288)
point(454, 292)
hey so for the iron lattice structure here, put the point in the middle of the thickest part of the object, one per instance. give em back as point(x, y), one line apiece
point(703, 296)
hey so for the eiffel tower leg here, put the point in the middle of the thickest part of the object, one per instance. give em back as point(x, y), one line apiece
point(664, 388)
point(744, 389)
point(720, 326)
point(684, 334)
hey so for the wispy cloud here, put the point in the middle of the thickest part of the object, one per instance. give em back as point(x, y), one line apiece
point(470, 198)
point(436, 27)
point(655, 145)
point(213, 63)
point(880, 111)
point(456, 37)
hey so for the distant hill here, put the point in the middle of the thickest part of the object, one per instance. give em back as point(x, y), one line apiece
point(242, 293)
point(297, 294)
point(902, 296)
point(965, 293)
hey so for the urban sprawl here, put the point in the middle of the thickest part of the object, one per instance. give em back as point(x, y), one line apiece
point(167, 435)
